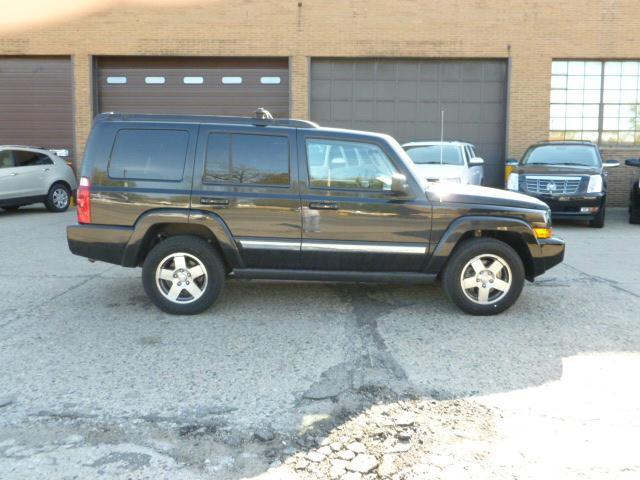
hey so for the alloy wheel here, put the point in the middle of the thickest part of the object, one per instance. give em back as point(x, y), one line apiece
point(486, 279)
point(181, 278)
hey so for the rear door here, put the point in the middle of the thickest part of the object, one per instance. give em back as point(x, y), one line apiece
point(351, 219)
point(247, 176)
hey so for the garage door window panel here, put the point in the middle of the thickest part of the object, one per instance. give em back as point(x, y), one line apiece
point(247, 159)
point(157, 154)
point(348, 165)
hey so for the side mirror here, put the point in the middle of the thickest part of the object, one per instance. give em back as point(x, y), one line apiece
point(399, 184)
point(610, 163)
point(632, 162)
point(476, 161)
point(511, 162)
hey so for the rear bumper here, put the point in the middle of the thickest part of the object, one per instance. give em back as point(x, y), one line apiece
point(99, 242)
point(568, 206)
point(551, 254)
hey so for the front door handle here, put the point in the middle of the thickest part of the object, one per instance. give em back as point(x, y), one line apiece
point(323, 206)
point(45, 169)
point(13, 174)
point(216, 202)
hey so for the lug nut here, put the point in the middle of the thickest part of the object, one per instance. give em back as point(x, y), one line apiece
point(179, 284)
point(175, 275)
point(187, 282)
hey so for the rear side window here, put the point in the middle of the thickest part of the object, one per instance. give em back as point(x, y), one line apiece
point(247, 159)
point(24, 158)
point(140, 154)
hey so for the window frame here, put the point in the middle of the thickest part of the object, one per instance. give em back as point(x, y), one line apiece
point(244, 132)
point(305, 141)
point(138, 179)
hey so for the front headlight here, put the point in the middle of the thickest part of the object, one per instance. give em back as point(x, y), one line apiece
point(512, 182)
point(452, 180)
point(595, 184)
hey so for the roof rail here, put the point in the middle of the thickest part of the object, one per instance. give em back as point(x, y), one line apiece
point(263, 122)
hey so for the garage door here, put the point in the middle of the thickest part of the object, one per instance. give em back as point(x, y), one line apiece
point(202, 86)
point(36, 101)
point(405, 98)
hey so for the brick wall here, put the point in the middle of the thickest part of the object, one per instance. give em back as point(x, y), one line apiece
point(531, 32)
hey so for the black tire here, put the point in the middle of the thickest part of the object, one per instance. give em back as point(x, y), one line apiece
point(458, 261)
point(634, 214)
point(598, 220)
point(11, 208)
point(196, 248)
point(59, 198)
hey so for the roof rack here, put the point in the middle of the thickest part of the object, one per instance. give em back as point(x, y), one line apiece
point(577, 142)
point(255, 120)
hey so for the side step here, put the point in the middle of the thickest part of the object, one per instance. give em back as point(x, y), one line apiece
point(332, 275)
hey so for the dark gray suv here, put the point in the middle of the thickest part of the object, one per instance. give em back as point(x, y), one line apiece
point(195, 200)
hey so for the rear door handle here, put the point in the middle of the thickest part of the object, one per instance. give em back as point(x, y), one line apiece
point(13, 174)
point(217, 202)
point(45, 169)
point(323, 206)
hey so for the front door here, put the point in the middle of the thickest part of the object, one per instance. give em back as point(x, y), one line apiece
point(351, 219)
point(247, 177)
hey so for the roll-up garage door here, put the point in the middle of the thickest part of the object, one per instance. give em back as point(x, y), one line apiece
point(192, 85)
point(405, 98)
point(36, 100)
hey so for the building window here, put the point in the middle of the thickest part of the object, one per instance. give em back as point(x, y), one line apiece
point(116, 80)
point(232, 80)
point(193, 80)
point(595, 101)
point(154, 80)
point(270, 80)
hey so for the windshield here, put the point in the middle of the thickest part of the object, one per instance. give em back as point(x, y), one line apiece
point(430, 154)
point(583, 155)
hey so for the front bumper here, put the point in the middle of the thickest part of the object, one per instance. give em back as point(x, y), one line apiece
point(568, 206)
point(551, 253)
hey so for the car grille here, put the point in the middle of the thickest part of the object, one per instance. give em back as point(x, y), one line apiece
point(547, 184)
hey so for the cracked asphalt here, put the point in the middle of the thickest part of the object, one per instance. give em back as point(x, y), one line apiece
point(97, 383)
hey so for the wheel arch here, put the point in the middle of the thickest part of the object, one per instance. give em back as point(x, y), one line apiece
point(516, 233)
point(157, 225)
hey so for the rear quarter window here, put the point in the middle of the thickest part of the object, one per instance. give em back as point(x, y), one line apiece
point(141, 154)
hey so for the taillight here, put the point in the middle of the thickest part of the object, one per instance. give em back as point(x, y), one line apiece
point(84, 200)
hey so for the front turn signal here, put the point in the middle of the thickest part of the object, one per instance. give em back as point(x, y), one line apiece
point(543, 232)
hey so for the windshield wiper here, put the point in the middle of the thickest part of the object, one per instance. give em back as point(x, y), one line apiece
point(572, 164)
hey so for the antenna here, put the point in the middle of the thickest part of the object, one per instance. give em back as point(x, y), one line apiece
point(441, 134)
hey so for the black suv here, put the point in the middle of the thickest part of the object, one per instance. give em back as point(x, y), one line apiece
point(634, 200)
point(567, 176)
point(195, 200)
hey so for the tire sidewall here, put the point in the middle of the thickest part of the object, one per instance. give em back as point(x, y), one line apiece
point(462, 255)
point(200, 249)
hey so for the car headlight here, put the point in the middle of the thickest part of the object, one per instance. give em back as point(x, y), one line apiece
point(452, 180)
point(512, 182)
point(595, 184)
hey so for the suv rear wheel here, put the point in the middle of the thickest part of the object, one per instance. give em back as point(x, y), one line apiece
point(183, 275)
point(484, 276)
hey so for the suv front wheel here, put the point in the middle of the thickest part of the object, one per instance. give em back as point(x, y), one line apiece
point(183, 275)
point(484, 276)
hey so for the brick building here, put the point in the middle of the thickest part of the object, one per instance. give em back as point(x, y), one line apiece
point(507, 74)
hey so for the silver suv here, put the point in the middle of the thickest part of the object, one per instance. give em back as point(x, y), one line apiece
point(32, 175)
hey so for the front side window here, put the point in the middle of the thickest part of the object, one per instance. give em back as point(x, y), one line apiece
point(247, 159)
point(436, 154)
point(562, 155)
point(6, 159)
point(141, 154)
point(351, 165)
point(596, 101)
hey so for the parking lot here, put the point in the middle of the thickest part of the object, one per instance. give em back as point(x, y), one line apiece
point(97, 383)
